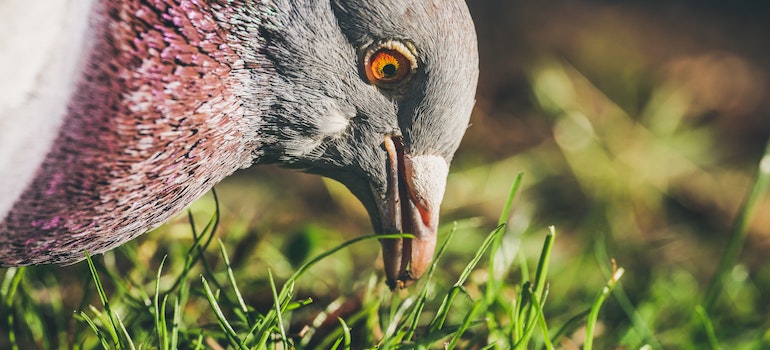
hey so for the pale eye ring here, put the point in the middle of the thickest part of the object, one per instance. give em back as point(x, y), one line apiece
point(389, 64)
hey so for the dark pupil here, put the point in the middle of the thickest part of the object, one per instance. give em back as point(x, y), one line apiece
point(389, 70)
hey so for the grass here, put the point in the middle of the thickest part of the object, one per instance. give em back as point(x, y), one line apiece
point(530, 268)
point(132, 318)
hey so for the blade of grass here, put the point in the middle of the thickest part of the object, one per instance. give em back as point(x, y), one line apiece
point(337, 343)
point(391, 331)
point(477, 307)
point(182, 286)
point(738, 235)
point(210, 231)
point(114, 331)
point(288, 287)
point(571, 324)
point(510, 332)
point(124, 331)
point(541, 321)
point(263, 332)
point(176, 324)
point(231, 278)
point(57, 307)
point(11, 281)
point(441, 335)
point(278, 310)
point(530, 323)
point(223, 323)
point(443, 311)
point(708, 326)
point(414, 316)
point(160, 319)
point(495, 281)
point(190, 258)
point(506, 213)
point(302, 269)
point(532, 294)
point(542, 265)
point(345, 334)
point(621, 297)
point(520, 323)
point(93, 326)
point(593, 316)
point(197, 250)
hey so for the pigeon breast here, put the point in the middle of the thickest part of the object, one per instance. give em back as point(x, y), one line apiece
point(155, 119)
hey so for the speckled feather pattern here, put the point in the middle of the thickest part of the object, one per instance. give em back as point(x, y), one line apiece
point(154, 124)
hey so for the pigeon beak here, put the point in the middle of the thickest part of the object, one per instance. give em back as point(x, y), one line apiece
point(416, 186)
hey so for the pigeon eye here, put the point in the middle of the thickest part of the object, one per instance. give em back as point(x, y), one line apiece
point(389, 64)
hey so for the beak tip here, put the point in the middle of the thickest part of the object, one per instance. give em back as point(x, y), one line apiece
point(395, 285)
point(418, 253)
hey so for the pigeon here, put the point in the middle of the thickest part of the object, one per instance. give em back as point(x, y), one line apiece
point(115, 115)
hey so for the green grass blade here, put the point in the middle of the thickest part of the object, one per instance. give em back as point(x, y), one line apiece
point(278, 310)
point(114, 331)
point(190, 260)
point(467, 321)
point(495, 280)
point(542, 265)
point(531, 296)
point(223, 323)
point(345, 334)
point(532, 293)
point(302, 269)
point(738, 236)
point(174, 344)
point(210, 231)
point(391, 332)
point(127, 336)
point(337, 343)
point(11, 282)
point(443, 311)
point(160, 319)
point(542, 323)
point(506, 213)
point(529, 323)
point(231, 278)
point(264, 328)
point(94, 328)
point(163, 322)
point(196, 252)
point(571, 324)
point(414, 316)
point(182, 286)
point(199, 342)
point(708, 326)
point(593, 316)
point(623, 300)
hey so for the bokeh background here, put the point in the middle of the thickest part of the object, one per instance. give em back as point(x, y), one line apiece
point(639, 127)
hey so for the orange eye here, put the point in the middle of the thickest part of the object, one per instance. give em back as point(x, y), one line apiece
point(388, 64)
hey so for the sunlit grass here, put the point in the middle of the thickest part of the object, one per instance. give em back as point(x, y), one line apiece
point(529, 268)
point(136, 316)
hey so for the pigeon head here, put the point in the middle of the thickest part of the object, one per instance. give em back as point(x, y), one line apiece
point(152, 103)
point(377, 97)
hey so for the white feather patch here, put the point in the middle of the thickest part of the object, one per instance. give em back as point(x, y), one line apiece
point(334, 122)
